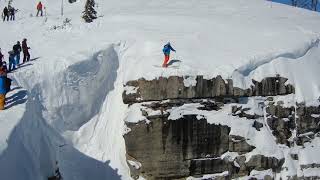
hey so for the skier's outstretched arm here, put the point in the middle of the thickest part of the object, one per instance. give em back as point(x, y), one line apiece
point(172, 49)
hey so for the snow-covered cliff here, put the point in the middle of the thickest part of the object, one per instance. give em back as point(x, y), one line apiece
point(77, 104)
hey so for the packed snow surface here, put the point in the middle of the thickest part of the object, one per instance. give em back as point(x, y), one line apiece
point(73, 118)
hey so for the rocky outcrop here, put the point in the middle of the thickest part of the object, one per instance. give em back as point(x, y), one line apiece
point(164, 146)
point(173, 87)
point(272, 86)
point(241, 112)
point(281, 121)
point(188, 145)
point(308, 119)
point(259, 163)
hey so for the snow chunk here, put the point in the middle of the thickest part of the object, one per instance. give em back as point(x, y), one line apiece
point(134, 114)
point(190, 81)
point(209, 176)
point(315, 115)
point(130, 89)
point(177, 113)
point(135, 164)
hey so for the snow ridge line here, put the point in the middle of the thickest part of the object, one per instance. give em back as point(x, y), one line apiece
point(246, 69)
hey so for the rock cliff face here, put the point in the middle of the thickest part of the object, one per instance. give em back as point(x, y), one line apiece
point(174, 87)
point(209, 128)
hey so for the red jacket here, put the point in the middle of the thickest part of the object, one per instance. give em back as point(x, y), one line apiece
point(39, 6)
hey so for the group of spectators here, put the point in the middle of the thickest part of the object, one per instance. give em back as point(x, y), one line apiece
point(9, 13)
point(14, 62)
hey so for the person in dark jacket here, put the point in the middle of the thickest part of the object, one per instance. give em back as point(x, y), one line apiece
point(1, 56)
point(25, 50)
point(166, 51)
point(5, 14)
point(17, 50)
point(12, 12)
point(12, 63)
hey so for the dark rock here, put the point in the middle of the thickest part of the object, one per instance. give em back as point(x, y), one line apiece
point(302, 139)
point(268, 177)
point(281, 129)
point(210, 106)
point(230, 87)
point(239, 144)
point(279, 111)
point(307, 166)
point(272, 86)
point(235, 109)
point(173, 88)
point(270, 99)
point(211, 166)
point(260, 163)
point(306, 122)
point(172, 144)
point(257, 125)
point(242, 113)
point(281, 121)
point(294, 156)
point(257, 162)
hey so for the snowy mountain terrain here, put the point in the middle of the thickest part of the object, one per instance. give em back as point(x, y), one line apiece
point(95, 103)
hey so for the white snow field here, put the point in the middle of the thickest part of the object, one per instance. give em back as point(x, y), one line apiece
point(67, 105)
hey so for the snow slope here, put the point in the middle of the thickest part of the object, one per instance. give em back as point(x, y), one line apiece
point(74, 113)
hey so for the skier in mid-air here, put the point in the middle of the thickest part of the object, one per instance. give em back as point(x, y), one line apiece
point(166, 51)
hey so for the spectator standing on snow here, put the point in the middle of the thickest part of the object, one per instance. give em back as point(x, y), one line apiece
point(1, 57)
point(3, 72)
point(12, 63)
point(4, 66)
point(166, 51)
point(12, 13)
point(5, 14)
point(39, 8)
point(17, 50)
point(5, 85)
point(25, 50)
point(3, 91)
